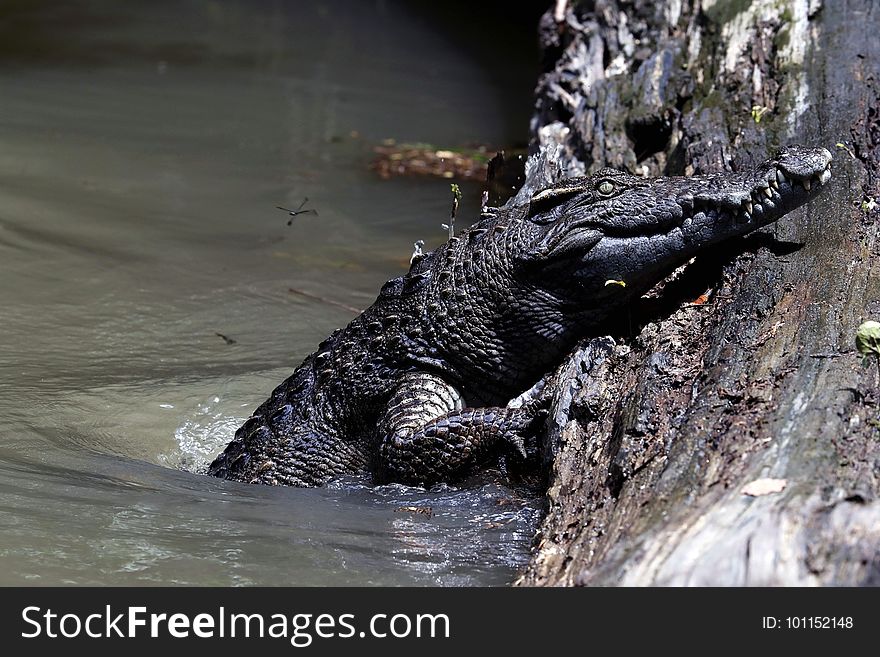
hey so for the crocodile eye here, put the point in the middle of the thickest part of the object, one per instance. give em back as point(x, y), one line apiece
point(606, 187)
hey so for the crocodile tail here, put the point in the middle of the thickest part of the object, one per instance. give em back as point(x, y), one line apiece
point(282, 450)
point(243, 459)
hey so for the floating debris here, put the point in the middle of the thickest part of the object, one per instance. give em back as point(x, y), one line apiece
point(226, 339)
point(467, 163)
point(426, 511)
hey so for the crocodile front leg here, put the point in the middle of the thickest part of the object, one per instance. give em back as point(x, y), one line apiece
point(429, 436)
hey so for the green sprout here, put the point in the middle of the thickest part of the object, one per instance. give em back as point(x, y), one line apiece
point(868, 344)
point(456, 199)
point(611, 281)
point(758, 112)
point(840, 144)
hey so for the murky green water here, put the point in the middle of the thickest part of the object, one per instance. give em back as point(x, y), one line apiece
point(142, 152)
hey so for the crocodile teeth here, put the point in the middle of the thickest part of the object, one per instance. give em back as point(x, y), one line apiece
point(747, 206)
point(807, 184)
point(768, 193)
point(774, 184)
point(825, 176)
point(780, 177)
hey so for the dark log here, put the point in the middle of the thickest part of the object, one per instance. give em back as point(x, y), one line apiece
point(654, 436)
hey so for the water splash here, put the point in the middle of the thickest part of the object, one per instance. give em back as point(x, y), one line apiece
point(203, 434)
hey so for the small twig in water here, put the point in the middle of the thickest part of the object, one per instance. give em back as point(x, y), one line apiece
point(226, 339)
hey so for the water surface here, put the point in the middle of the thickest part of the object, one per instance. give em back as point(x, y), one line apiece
point(142, 151)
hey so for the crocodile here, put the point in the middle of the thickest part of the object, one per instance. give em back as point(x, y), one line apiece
point(417, 388)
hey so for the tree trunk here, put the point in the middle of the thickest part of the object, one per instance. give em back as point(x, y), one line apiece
point(741, 367)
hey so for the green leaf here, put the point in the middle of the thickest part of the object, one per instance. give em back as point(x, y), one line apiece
point(868, 338)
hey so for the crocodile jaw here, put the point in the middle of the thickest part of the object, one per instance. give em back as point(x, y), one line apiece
point(693, 213)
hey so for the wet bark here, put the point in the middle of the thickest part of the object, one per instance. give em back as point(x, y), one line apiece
point(742, 367)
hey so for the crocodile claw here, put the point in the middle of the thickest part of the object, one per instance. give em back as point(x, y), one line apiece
point(518, 445)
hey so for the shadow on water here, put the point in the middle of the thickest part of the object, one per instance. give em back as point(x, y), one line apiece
point(143, 149)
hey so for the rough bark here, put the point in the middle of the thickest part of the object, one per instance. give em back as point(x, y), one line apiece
point(654, 438)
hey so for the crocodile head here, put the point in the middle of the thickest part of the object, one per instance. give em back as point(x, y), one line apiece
point(611, 235)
